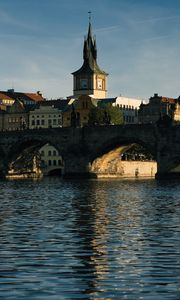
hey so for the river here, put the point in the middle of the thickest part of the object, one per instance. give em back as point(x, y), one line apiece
point(89, 239)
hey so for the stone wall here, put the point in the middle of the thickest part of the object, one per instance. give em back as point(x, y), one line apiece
point(125, 169)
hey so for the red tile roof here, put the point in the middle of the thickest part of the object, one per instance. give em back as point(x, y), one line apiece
point(36, 97)
point(4, 96)
point(168, 100)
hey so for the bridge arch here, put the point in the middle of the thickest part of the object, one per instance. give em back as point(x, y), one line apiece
point(22, 153)
point(123, 144)
point(107, 159)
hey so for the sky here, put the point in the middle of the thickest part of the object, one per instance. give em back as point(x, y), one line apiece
point(138, 43)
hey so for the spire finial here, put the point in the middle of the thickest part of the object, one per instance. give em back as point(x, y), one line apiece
point(89, 12)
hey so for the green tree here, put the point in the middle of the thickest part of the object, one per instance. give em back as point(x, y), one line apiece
point(105, 114)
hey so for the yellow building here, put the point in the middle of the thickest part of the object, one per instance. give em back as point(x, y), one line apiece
point(77, 114)
point(51, 160)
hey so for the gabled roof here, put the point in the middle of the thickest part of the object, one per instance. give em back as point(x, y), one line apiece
point(3, 96)
point(34, 96)
point(163, 99)
point(11, 94)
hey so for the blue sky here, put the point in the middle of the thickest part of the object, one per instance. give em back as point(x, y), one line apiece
point(138, 44)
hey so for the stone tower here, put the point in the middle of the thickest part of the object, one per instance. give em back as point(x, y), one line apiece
point(90, 79)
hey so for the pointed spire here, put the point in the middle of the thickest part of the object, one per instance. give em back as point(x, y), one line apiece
point(95, 49)
point(89, 36)
point(85, 50)
point(89, 12)
point(90, 52)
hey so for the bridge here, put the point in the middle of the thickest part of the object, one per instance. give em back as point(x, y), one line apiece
point(80, 147)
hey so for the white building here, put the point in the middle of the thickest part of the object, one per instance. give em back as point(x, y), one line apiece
point(128, 106)
point(45, 117)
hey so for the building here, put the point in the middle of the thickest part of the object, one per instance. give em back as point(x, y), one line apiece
point(51, 160)
point(90, 79)
point(8, 97)
point(5, 101)
point(77, 112)
point(158, 107)
point(15, 117)
point(128, 106)
point(45, 116)
point(48, 114)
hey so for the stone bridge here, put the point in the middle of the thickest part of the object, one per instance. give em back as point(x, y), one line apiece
point(80, 147)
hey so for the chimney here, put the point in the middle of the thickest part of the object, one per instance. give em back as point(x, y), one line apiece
point(39, 93)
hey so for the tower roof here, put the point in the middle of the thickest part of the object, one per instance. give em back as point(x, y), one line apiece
point(90, 55)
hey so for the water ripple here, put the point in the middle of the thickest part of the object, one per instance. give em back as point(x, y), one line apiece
point(89, 240)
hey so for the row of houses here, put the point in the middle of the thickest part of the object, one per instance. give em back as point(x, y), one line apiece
point(19, 111)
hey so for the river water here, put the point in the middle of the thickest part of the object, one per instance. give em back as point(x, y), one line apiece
point(91, 239)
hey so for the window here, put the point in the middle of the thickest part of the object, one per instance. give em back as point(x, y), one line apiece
point(49, 162)
point(42, 122)
point(99, 83)
point(33, 122)
point(49, 153)
point(83, 83)
point(54, 153)
point(54, 162)
point(42, 153)
point(54, 121)
point(59, 162)
point(37, 122)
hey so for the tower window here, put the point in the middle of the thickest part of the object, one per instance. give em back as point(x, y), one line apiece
point(83, 83)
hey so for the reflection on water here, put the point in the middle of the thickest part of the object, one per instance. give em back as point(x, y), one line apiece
point(89, 240)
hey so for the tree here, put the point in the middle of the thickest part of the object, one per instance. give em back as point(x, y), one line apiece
point(105, 115)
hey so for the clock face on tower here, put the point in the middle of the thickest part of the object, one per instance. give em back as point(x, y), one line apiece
point(99, 83)
point(83, 83)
